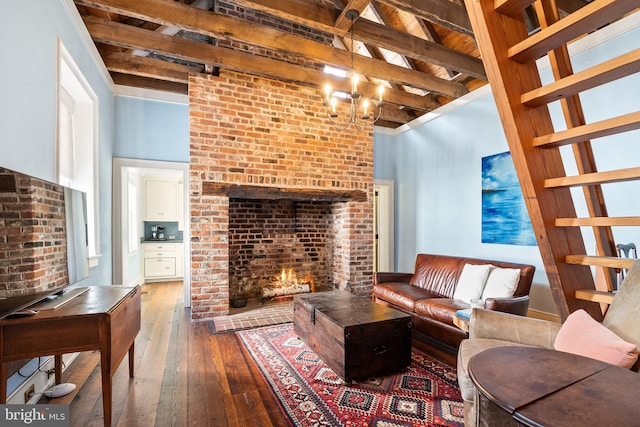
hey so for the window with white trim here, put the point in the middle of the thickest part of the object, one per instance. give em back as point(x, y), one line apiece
point(77, 141)
point(66, 157)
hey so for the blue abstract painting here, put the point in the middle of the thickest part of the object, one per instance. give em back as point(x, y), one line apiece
point(505, 219)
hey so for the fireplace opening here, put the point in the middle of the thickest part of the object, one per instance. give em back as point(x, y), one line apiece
point(279, 248)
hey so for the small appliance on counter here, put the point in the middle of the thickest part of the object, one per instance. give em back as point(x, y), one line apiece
point(157, 232)
point(162, 231)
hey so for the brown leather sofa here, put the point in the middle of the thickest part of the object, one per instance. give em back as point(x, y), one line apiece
point(427, 295)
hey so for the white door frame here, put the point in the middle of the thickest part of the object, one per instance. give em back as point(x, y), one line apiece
point(384, 224)
point(119, 232)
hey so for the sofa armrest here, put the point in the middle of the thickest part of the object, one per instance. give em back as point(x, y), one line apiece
point(513, 305)
point(391, 277)
point(512, 328)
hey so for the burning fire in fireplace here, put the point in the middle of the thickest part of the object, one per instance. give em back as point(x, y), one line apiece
point(288, 277)
point(287, 283)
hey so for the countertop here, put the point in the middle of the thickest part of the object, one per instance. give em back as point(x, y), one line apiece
point(162, 241)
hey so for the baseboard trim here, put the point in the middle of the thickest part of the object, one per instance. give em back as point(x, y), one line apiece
point(40, 381)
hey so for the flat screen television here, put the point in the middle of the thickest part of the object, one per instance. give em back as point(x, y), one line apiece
point(43, 239)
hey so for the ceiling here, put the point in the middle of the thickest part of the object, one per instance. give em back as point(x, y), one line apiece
point(422, 51)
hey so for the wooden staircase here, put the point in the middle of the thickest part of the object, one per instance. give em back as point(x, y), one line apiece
point(509, 54)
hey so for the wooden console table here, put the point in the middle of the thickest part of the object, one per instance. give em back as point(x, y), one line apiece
point(542, 387)
point(105, 318)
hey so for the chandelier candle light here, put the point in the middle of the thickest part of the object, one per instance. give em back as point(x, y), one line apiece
point(330, 100)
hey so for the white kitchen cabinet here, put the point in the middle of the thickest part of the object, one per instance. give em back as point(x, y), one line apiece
point(162, 261)
point(161, 200)
point(155, 268)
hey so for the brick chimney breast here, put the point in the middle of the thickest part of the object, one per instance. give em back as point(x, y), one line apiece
point(253, 138)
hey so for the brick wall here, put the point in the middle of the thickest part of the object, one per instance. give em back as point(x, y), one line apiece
point(33, 251)
point(249, 130)
point(266, 20)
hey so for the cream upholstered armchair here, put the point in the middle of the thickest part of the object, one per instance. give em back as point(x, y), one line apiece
point(488, 329)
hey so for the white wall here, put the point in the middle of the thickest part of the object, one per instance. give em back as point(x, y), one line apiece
point(436, 167)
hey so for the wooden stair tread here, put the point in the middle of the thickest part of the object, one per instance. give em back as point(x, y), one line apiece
point(512, 7)
point(595, 296)
point(600, 261)
point(606, 221)
point(583, 21)
point(619, 175)
point(612, 126)
point(605, 72)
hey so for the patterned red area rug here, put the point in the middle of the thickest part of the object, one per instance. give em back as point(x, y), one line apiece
point(311, 394)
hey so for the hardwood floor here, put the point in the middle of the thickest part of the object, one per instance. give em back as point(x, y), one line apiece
point(184, 375)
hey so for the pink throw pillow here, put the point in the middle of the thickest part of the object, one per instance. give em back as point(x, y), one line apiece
point(581, 334)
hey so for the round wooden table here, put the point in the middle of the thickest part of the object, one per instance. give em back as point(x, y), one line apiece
point(542, 387)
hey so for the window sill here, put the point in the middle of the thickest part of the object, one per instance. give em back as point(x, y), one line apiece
point(94, 261)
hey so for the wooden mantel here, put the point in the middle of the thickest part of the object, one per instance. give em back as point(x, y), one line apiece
point(256, 192)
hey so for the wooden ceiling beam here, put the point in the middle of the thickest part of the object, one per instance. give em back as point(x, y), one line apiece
point(343, 22)
point(304, 12)
point(371, 33)
point(417, 48)
point(432, 35)
point(126, 63)
point(215, 25)
point(396, 115)
point(446, 13)
point(135, 38)
point(148, 83)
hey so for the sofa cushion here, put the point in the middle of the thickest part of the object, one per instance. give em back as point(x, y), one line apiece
point(440, 309)
point(581, 334)
point(471, 282)
point(501, 283)
point(401, 294)
point(437, 273)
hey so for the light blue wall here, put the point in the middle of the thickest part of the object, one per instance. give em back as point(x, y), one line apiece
point(151, 130)
point(436, 168)
point(28, 48)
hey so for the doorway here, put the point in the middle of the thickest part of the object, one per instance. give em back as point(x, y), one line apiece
point(383, 226)
point(127, 218)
